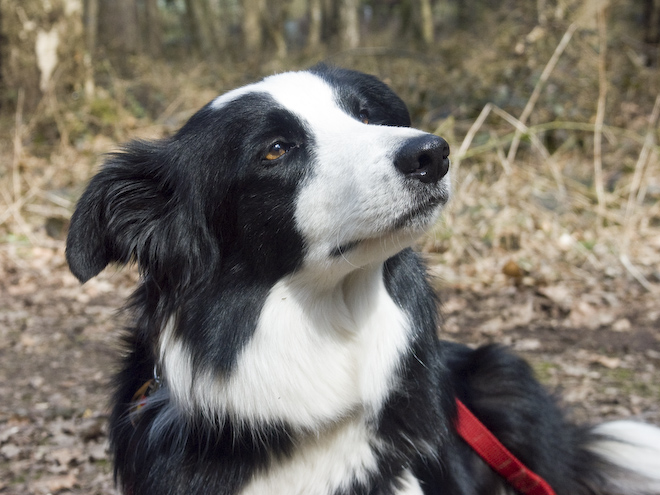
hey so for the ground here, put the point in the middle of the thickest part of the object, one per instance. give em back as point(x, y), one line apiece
point(59, 344)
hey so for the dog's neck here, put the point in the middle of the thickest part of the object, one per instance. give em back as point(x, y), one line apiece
point(318, 354)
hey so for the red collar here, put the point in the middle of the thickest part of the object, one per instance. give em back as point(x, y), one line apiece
point(497, 456)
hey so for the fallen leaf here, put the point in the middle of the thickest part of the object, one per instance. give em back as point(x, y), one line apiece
point(66, 455)
point(492, 326)
point(54, 484)
point(561, 295)
point(453, 305)
point(585, 315)
point(97, 451)
point(622, 325)
point(10, 451)
point(608, 362)
point(512, 269)
point(527, 345)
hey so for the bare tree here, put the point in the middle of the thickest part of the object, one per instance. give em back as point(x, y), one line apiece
point(91, 33)
point(42, 49)
point(427, 24)
point(119, 31)
point(315, 14)
point(209, 26)
point(153, 28)
point(252, 27)
point(349, 23)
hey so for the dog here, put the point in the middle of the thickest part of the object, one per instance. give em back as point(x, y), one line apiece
point(284, 338)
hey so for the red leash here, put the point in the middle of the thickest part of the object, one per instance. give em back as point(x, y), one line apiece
point(497, 456)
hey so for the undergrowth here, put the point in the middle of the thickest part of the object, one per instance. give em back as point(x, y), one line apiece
point(555, 160)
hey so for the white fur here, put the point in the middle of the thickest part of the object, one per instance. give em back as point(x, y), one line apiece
point(176, 366)
point(324, 463)
point(409, 485)
point(315, 357)
point(320, 464)
point(636, 448)
point(355, 192)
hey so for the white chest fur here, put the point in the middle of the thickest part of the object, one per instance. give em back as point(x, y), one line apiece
point(326, 463)
point(315, 357)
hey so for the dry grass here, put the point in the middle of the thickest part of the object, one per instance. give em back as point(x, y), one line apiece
point(564, 198)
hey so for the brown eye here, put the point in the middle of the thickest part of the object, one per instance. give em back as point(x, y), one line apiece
point(364, 116)
point(276, 150)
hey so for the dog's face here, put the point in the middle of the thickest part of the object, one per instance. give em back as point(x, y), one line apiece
point(313, 171)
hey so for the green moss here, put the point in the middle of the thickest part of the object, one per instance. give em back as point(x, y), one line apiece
point(544, 370)
point(105, 110)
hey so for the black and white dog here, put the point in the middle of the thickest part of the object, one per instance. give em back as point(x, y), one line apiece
point(285, 334)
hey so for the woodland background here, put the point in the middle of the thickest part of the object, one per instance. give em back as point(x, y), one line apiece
point(551, 244)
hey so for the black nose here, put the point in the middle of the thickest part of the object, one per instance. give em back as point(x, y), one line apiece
point(424, 158)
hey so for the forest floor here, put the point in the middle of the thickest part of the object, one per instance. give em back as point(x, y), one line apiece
point(523, 258)
point(598, 347)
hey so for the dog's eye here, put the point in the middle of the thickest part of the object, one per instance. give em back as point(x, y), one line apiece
point(364, 116)
point(277, 150)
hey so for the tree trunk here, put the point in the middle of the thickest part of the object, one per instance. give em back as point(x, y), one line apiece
point(201, 25)
point(315, 14)
point(91, 33)
point(277, 16)
point(119, 31)
point(153, 28)
point(350, 24)
point(42, 49)
point(426, 14)
point(252, 29)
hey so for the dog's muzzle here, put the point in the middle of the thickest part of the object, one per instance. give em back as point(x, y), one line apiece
point(424, 158)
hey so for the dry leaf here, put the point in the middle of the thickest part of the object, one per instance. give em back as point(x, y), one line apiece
point(622, 325)
point(561, 295)
point(512, 269)
point(54, 484)
point(609, 362)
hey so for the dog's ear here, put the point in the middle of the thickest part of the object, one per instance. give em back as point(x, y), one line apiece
point(119, 212)
point(131, 211)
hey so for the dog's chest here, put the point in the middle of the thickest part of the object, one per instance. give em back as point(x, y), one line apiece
point(339, 460)
point(315, 357)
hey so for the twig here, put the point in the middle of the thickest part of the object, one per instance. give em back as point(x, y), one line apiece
point(523, 129)
point(57, 116)
point(539, 85)
point(18, 146)
point(637, 275)
point(48, 211)
point(649, 141)
point(15, 207)
point(470, 135)
point(600, 111)
point(500, 153)
point(18, 219)
point(58, 200)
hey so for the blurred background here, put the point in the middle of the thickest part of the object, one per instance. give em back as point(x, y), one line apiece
point(551, 243)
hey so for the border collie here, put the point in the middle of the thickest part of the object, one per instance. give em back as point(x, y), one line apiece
point(285, 334)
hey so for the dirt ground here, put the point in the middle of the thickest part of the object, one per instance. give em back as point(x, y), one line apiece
point(58, 345)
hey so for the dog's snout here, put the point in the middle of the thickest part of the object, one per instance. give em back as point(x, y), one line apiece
point(424, 158)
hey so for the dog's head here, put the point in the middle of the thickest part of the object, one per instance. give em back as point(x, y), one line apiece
point(315, 170)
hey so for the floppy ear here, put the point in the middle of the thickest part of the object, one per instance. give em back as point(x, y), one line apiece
point(130, 212)
point(117, 214)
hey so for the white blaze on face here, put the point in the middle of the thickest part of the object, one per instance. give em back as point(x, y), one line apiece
point(354, 193)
